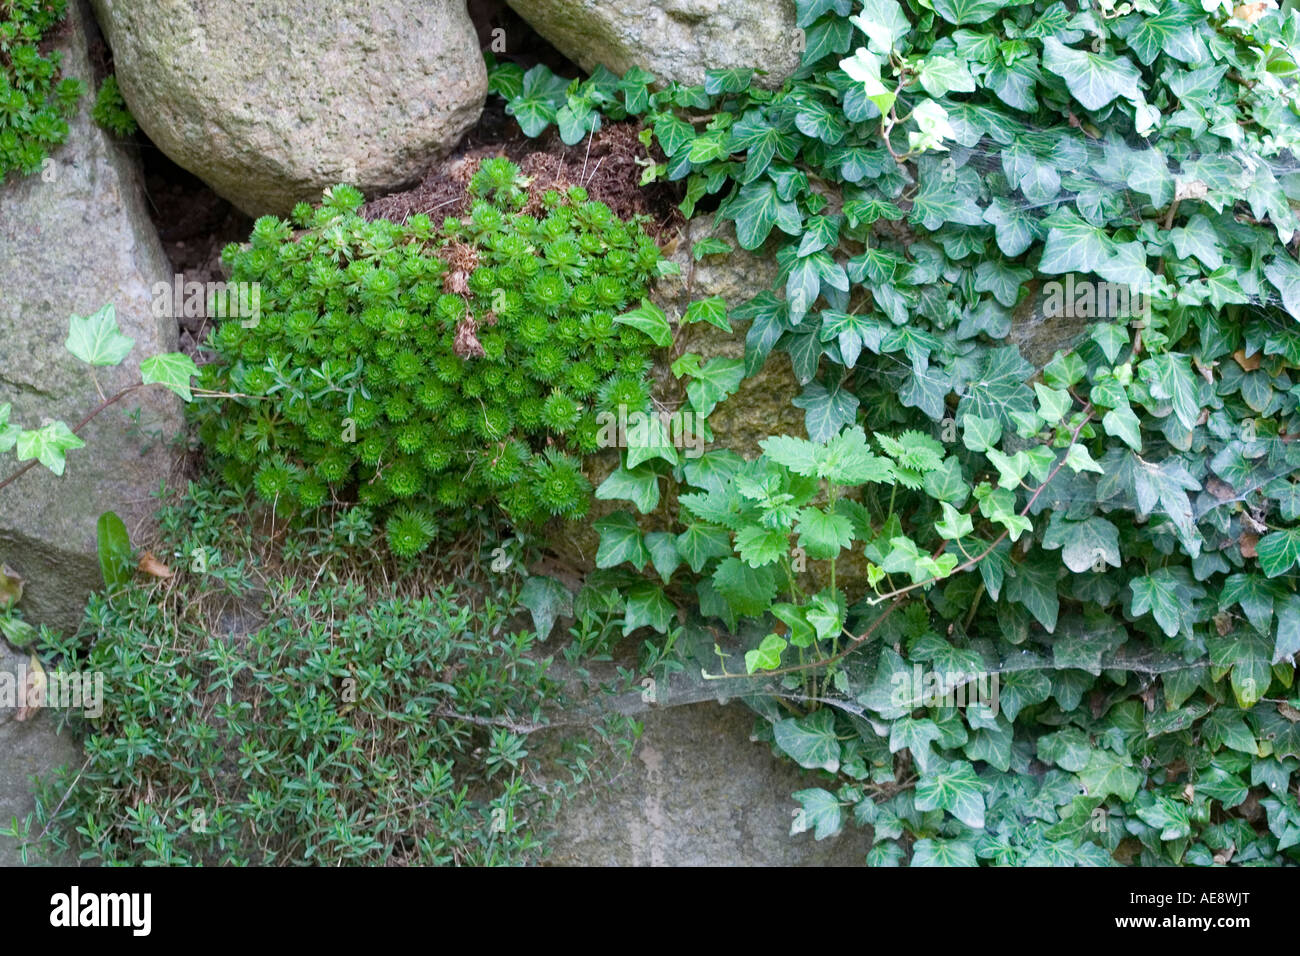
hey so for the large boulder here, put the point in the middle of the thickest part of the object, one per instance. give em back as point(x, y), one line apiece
point(698, 792)
point(270, 101)
point(28, 748)
point(673, 39)
point(71, 240)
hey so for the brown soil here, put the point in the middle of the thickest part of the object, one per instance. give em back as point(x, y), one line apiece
point(605, 164)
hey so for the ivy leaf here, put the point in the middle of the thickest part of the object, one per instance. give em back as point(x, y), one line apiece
point(96, 339)
point(647, 439)
point(48, 445)
point(1084, 544)
point(955, 525)
point(1246, 653)
point(1000, 388)
point(540, 96)
point(980, 434)
point(713, 382)
point(638, 485)
point(1053, 404)
point(1073, 245)
point(941, 75)
point(712, 470)
point(650, 319)
point(959, 12)
point(767, 656)
point(546, 599)
point(172, 370)
point(1034, 586)
point(1111, 338)
point(701, 542)
point(1279, 551)
point(8, 432)
point(1093, 79)
point(1124, 425)
point(1288, 630)
point(620, 541)
point(826, 411)
point(1109, 774)
point(733, 80)
point(883, 22)
point(710, 246)
point(756, 208)
point(956, 788)
point(1167, 596)
point(648, 606)
point(1170, 377)
point(1284, 273)
point(821, 813)
point(945, 853)
point(810, 741)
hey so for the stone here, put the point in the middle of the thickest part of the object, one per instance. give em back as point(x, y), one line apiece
point(71, 240)
point(27, 748)
point(699, 792)
point(271, 101)
point(676, 40)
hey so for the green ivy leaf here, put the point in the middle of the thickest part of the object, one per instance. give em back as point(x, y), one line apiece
point(1093, 79)
point(96, 339)
point(767, 656)
point(648, 606)
point(48, 445)
point(172, 371)
point(546, 600)
point(638, 485)
point(650, 319)
point(810, 741)
point(821, 813)
point(620, 541)
point(954, 787)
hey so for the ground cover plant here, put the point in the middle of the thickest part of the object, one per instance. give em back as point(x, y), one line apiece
point(274, 699)
point(35, 102)
point(425, 368)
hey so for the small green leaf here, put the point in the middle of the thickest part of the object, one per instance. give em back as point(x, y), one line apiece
point(114, 548)
point(96, 339)
point(767, 656)
point(546, 600)
point(48, 445)
point(172, 371)
point(650, 319)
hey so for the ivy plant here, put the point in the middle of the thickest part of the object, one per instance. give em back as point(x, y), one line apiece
point(1112, 535)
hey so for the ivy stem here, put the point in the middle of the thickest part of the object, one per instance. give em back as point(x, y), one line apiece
point(75, 429)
